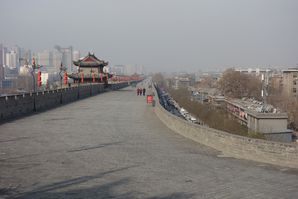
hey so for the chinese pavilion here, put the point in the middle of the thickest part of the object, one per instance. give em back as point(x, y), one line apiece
point(90, 69)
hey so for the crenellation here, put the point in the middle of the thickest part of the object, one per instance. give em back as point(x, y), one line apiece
point(277, 153)
point(15, 106)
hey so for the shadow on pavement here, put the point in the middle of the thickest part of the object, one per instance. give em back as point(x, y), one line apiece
point(85, 148)
point(125, 90)
point(82, 148)
point(75, 189)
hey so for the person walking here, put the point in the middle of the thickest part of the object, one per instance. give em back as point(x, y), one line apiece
point(144, 91)
point(141, 91)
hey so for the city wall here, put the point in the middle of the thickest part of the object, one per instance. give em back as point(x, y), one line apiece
point(282, 154)
point(20, 105)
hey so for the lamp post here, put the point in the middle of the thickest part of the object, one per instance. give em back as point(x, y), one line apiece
point(98, 71)
point(91, 79)
point(27, 66)
point(62, 69)
point(34, 66)
point(79, 77)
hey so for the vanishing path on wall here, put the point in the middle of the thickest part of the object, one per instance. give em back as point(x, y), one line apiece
point(113, 145)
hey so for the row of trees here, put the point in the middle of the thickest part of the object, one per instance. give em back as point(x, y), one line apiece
point(237, 85)
point(214, 117)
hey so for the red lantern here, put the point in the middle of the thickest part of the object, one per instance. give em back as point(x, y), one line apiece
point(65, 78)
point(38, 78)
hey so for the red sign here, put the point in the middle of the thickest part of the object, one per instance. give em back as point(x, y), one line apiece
point(149, 99)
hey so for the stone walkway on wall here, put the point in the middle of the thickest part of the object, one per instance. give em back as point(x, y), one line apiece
point(113, 146)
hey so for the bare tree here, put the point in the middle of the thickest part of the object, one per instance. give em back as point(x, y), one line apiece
point(237, 85)
point(159, 79)
point(207, 82)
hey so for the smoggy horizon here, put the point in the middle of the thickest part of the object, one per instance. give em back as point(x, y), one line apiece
point(164, 35)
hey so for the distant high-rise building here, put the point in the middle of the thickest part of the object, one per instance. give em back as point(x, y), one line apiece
point(76, 55)
point(25, 57)
point(1, 55)
point(1, 72)
point(1, 62)
point(11, 59)
point(129, 70)
point(7, 59)
point(140, 69)
point(45, 59)
point(28, 56)
point(66, 57)
point(57, 59)
point(17, 55)
point(118, 69)
point(290, 82)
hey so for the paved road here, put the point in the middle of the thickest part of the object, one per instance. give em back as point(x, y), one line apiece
point(113, 146)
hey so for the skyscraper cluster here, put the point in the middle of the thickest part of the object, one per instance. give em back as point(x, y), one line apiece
point(15, 63)
point(13, 57)
point(127, 69)
point(50, 60)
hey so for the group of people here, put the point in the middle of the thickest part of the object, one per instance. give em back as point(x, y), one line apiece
point(141, 91)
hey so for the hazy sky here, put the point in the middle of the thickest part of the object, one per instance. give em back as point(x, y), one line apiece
point(159, 34)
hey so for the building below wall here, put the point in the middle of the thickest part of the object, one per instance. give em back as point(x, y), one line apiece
point(257, 118)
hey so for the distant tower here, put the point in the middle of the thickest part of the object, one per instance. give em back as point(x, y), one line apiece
point(264, 88)
point(17, 53)
point(57, 59)
point(1, 55)
point(45, 59)
point(1, 63)
point(76, 55)
point(11, 59)
point(66, 57)
point(1, 72)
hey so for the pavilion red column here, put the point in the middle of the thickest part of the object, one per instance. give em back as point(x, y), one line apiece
point(93, 77)
point(82, 77)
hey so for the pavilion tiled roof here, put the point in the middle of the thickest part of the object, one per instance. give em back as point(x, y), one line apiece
point(90, 61)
